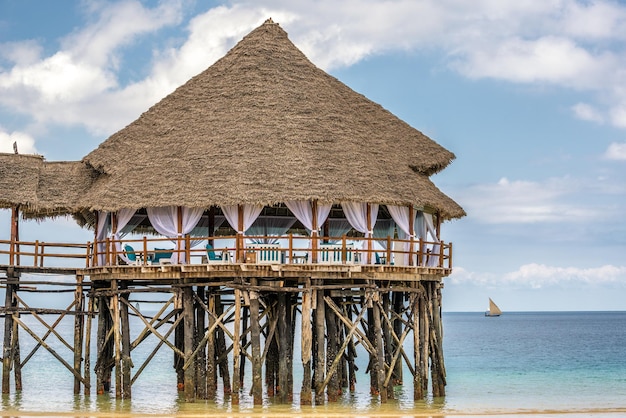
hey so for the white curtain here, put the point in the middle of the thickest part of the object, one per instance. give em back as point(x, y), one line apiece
point(102, 230)
point(131, 225)
point(433, 259)
point(303, 211)
point(165, 221)
point(400, 215)
point(250, 213)
point(270, 226)
point(123, 218)
point(356, 214)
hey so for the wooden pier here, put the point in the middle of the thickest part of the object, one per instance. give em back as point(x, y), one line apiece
point(215, 318)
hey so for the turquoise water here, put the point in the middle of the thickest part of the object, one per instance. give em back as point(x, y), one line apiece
point(569, 364)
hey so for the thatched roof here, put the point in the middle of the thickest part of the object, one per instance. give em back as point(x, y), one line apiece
point(265, 125)
point(42, 188)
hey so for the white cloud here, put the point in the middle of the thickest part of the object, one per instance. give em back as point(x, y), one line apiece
point(25, 143)
point(616, 151)
point(537, 276)
point(566, 43)
point(521, 202)
point(585, 111)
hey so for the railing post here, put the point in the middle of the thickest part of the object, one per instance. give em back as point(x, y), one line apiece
point(145, 250)
point(344, 250)
point(290, 248)
point(35, 255)
point(388, 261)
point(88, 255)
point(43, 247)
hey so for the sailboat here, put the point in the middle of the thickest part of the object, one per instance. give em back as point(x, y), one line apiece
point(493, 309)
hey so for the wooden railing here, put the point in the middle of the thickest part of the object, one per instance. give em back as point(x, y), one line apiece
point(290, 249)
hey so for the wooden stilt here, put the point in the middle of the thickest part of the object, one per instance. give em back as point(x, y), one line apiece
point(385, 308)
point(236, 347)
point(17, 366)
point(380, 359)
point(332, 346)
point(126, 362)
point(320, 359)
point(117, 338)
point(306, 345)
point(351, 348)
point(211, 371)
point(272, 357)
point(179, 341)
point(189, 332)
point(87, 363)
point(201, 360)
point(104, 361)
point(220, 347)
point(7, 352)
point(79, 302)
point(255, 338)
point(284, 344)
point(398, 309)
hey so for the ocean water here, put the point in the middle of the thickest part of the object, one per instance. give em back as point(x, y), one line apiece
point(570, 364)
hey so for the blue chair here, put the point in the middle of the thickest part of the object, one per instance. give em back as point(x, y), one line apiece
point(130, 254)
point(162, 255)
point(212, 257)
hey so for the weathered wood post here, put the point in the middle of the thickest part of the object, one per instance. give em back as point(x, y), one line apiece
point(285, 363)
point(306, 344)
point(379, 363)
point(236, 347)
point(398, 311)
point(7, 352)
point(220, 347)
point(189, 333)
point(332, 350)
point(104, 361)
point(320, 359)
point(79, 321)
point(201, 359)
point(255, 339)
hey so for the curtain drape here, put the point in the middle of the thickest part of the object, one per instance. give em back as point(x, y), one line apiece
point(165, 221)
point(430, 227)
point(123, 218)
point(250, 213)
point(400, 215)
point(356, 214)
point(102, 230)
point(303, 211)
point(384, 228)
point(338, 228)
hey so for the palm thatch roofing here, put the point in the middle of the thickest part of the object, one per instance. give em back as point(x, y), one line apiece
point(264, 125)
point(41, 188)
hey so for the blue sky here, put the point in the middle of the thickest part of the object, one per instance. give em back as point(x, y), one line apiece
point(529, 95)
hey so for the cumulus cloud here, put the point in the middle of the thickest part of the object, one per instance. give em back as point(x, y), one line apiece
point(566, 43)
point(25, 142)
point(616, 151)
point(523, 202)
point(536, 276)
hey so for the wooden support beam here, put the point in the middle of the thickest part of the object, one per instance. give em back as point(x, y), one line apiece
point(220, 344)
point(126, 362)
point(236, 347)
point(306, 345)
point(209, 341)
point(201, 357)
point(320, 358)
point(7, 353)
point(255, 338)
point(87, 363)
point(284, 343)
point(79, 321)
point(189, 331)
point(115, 307)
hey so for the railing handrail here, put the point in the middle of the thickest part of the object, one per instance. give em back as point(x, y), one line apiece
point(95, 253)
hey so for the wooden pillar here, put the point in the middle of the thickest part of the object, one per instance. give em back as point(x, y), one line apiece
point(126, 361)
point(370, 227)
point(201, 360)
point(211, 372)
point(285, 362)
point(378, 342)
point(387, 341)
point(179, 341)
point(79, 319)
point(351, 348)
point(236, 347)
point(255, 339)
point(220, 348)
point(420, 334)
point(272, 356)
point(189, 332)
point(398, 309)
point(438, 371)
point(332, 350)
point(241, 254)
point(314, 231)
point(211, 215)
point(7, 352)
point(117, 338)
point(104, 361)
point(306, 345)
point(320, 363)
point(14, 250)
point(87, 363)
